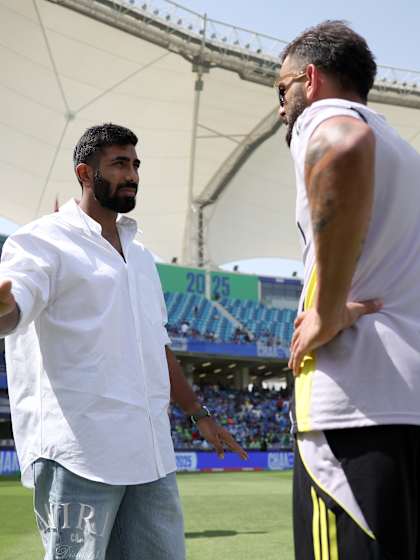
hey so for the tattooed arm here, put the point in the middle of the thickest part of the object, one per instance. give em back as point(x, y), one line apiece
point(339, 169)
point(339, 176)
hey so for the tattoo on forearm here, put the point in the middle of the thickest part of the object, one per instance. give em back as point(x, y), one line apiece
point(322, 211)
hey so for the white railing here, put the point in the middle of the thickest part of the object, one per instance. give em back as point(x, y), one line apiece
point(244, 40)
point(398, 76)
point(217, 32)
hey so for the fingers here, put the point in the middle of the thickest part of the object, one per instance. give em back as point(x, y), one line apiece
point(7, 300)
point(294, 338)
point(227, 438)
point(294, 352)
point(294, 356)
point(218, 437)
point(218, 447)
point(5, 288)
point(357, 309)
point(295, 362)
point(292, 361)
point(209, 430)
point(372, 305)
point(299, 319)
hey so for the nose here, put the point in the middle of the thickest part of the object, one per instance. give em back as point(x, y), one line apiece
point(133, 175)
point(282, 112)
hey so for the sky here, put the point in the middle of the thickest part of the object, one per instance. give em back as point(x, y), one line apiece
point(390, 28)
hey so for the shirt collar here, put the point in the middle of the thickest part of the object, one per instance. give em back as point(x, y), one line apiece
point(71, 213)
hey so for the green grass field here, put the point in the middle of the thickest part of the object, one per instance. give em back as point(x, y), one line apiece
point(234, 516)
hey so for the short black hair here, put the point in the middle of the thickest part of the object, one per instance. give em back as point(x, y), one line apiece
point(97, 137)
point(332, 46)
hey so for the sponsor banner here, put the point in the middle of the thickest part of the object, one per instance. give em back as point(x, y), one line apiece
point(265, 351)
point(280, 461)
point(8, 462)
point(251, 350)
point(186, 461)
point(221, 348)
point(208, 461)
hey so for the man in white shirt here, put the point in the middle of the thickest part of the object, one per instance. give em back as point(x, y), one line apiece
point(90, 371)
point(355, 351)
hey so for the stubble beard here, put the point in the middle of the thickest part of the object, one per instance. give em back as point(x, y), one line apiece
point(295, 110)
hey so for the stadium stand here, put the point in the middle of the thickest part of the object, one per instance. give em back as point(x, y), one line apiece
point(195, 316)
point(268, 324)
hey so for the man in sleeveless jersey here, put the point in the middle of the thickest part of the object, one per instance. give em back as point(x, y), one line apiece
point(355, 352)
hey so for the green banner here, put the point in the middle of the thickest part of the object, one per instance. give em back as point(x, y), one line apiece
point(234, 286)
point(193, 281)
point(182, 279)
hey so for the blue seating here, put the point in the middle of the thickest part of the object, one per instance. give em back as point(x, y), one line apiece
point(267, 324)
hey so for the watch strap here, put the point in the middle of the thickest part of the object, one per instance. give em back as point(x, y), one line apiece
point(203, 413)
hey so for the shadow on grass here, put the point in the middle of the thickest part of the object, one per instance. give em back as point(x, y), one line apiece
point(211, 534)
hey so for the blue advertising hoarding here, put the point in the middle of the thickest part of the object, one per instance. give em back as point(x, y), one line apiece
point(9, 464)
point(205, 461)
point(194, 461)
point(250, 350)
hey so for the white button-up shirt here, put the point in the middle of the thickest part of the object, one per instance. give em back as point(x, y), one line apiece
point(87, 371)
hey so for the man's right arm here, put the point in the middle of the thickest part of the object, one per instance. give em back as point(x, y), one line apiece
point(9, 311)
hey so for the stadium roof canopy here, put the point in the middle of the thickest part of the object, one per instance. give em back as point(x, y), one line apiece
point(216, 180)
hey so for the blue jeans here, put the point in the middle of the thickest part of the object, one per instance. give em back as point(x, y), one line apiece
point(80, 519)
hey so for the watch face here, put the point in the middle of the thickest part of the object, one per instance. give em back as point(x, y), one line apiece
point(204, 412)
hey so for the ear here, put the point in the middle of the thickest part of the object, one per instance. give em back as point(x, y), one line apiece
point(84, 173)
point(313, 83)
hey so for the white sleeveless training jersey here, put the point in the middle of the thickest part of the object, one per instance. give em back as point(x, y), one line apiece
point(370, 373)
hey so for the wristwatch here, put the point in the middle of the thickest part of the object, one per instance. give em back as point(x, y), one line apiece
point(203, 413)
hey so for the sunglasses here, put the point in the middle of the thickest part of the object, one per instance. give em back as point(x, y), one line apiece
point(281, 89)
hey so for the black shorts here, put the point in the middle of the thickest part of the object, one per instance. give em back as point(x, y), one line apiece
point(356, 494)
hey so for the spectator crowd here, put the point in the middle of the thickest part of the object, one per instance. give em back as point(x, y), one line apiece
point(258, 419)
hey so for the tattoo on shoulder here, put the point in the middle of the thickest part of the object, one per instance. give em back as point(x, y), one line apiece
point(318, 160)
point(316, 151)
point(321, 145)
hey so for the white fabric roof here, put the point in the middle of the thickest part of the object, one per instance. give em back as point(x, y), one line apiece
point(63, 71)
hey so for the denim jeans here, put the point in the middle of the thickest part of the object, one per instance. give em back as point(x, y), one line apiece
point(80, 519)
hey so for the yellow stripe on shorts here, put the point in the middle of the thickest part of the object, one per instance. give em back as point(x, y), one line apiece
point(324, 530)
point(315, 526)
point(332, 531)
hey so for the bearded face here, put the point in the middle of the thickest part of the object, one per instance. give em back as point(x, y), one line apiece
point(295, 107)
point(121, 199)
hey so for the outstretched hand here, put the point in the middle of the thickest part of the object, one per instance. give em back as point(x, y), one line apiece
point(311, 332)
point(7, 300)
point(219, 437)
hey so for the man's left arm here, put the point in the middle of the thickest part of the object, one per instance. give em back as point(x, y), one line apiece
point(339, 177)
point(183, 395)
